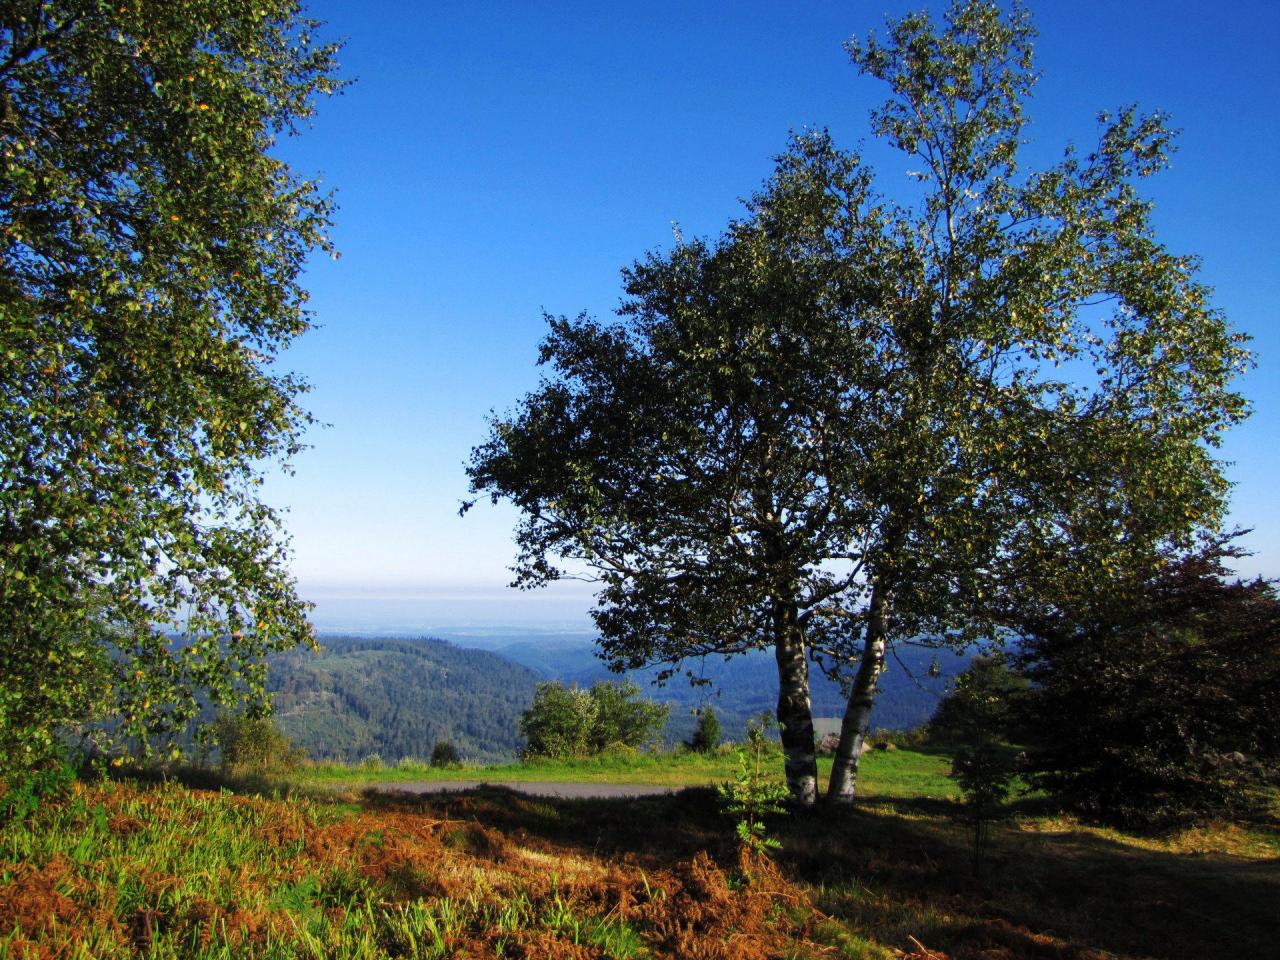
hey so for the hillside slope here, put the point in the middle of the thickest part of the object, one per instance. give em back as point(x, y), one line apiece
point(747, 685)
point(396, 698)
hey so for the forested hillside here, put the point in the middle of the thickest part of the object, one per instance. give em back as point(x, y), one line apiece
point(396, 698)
point(747, 685)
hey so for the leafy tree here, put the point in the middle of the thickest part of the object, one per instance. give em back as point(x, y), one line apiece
point(568, 722)
point(150, 252)
point(852, 422)
point(978, 716)
point(1156, 699)
point(624, 717)
point(559, 723)
point(706, 736)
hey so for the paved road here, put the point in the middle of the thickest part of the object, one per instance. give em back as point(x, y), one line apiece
point(535, 788)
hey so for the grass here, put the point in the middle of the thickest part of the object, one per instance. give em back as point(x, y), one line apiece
point(899, 773)
point(162, 870)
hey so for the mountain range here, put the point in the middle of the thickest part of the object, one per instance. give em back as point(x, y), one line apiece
point(396, 698)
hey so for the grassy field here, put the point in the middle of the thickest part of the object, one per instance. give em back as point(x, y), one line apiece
point(166, 871)
point(899, 773)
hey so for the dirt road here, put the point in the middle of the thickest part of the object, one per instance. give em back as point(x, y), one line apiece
point(535, 788)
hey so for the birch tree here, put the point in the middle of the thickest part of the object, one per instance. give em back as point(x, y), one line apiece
point(851, 420)
point(150, 254)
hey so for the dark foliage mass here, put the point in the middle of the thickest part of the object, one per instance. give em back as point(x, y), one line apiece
point(1160, 702)
point(399, 698)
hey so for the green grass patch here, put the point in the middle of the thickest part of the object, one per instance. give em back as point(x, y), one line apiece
point(891, 773)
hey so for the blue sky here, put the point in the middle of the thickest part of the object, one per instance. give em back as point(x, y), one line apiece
point(496, 160)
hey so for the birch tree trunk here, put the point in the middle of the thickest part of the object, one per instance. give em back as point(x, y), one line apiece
point(795, 712)
point(857, 715)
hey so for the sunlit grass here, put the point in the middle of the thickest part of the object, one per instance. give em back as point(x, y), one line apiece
point(894, 773)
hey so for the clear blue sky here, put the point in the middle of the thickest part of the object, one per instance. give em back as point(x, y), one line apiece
point(495, 160)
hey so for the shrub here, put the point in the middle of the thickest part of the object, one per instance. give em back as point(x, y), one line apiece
point(978, 717)
point(985, 771)
point(753, 795)
point(623, 717)
point(445, 754)
point(1157, 703)
point(559, 722)
point(567, 722)
point(706, 736)
point(249, 744)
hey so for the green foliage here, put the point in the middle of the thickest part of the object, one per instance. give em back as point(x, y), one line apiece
point(985, 702)
point(753, 794)
point(985, 770)
point(977, 717)
point(706, 736)
point(848, 421)
point(623, 717)
point(445, 754)
point(569, 722)
point(252, 744)
point(559, 722)
point(1156, 701)
point(151, 246)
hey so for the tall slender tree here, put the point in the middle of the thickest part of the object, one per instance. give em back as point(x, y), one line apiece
point(1059, 378)
point(150, 252)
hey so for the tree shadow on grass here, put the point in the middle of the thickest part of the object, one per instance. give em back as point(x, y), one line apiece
point(900, 868)
point(896, 868)
point(653, 830)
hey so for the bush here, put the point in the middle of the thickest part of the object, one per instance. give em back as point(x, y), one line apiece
point(706, 736)
point(567, 722)
point(985, 771)
point(753, 794)
point(249, 744)
point(1157, 703)
point(623, 717)
point(559, 722)
point(445, 754)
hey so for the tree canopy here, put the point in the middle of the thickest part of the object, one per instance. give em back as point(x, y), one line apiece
point(150, 252)
point(1155, 698)
point(855, 420)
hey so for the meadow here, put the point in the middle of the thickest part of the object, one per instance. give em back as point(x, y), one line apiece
point(899, 773)
point(167, 870)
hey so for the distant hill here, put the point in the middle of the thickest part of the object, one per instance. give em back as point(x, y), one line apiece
point(747, 685)
point(396, 698)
